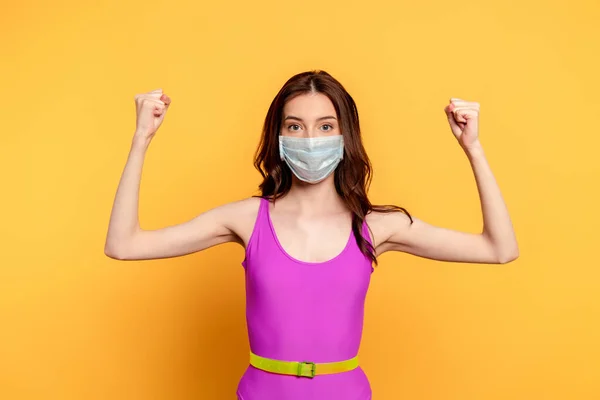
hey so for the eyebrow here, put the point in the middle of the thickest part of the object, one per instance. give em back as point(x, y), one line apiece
point(318, 119)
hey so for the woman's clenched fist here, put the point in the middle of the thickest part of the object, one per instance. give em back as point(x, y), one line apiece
point(151, 108)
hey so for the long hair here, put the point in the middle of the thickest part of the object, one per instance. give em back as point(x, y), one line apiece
point(353, 174)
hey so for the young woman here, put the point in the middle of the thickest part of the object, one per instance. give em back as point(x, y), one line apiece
point(312, 236)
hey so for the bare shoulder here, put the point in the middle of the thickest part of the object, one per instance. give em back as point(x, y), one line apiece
point(241, 217)
point(385, 224)
point(243, 206)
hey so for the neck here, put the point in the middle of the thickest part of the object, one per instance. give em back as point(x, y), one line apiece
point(314, 198)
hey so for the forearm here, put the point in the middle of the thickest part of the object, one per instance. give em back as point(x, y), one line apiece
point(124, 220)
point(497, 225)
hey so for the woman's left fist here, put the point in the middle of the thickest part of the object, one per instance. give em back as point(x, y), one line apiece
point(463, 117)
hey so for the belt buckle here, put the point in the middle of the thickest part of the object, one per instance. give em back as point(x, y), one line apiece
point(311, 372)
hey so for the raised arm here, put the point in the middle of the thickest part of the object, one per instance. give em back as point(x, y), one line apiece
point(125, 239)
point(496, 244)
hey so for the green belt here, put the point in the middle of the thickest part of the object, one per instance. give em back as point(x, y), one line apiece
point(302, 368)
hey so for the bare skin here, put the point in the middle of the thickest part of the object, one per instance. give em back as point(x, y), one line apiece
point(311, 222)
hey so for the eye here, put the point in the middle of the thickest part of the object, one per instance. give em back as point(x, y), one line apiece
point(294, 127)
point(329, 127)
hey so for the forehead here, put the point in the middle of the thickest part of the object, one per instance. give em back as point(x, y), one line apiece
point(309, 105)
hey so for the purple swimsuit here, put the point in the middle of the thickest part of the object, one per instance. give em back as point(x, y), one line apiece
point(302, 311)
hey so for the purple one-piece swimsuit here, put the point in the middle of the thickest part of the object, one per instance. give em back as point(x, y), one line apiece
point(303, 311)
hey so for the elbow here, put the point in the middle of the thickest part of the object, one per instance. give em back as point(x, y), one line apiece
point(115, 251)
point(503, 251)
point(120, 246)
point(508, 259)
point(508, 256)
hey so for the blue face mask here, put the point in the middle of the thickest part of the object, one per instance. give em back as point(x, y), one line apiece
point(312, 159)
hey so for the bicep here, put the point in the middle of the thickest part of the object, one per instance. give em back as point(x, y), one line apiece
point(437, 243)
point(205, 230)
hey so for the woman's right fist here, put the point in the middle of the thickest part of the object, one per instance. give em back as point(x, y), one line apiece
point(150, 109)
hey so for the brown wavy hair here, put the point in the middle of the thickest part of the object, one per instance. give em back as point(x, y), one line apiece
point(353, 174)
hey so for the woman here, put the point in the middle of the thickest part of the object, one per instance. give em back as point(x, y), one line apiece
point(312, 236)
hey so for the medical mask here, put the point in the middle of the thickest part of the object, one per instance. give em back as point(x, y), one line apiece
point(312, 159)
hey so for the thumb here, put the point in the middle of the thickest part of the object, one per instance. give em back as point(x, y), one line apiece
point(165, 99)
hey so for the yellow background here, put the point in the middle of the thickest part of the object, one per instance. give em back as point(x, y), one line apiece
point(77, 325)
